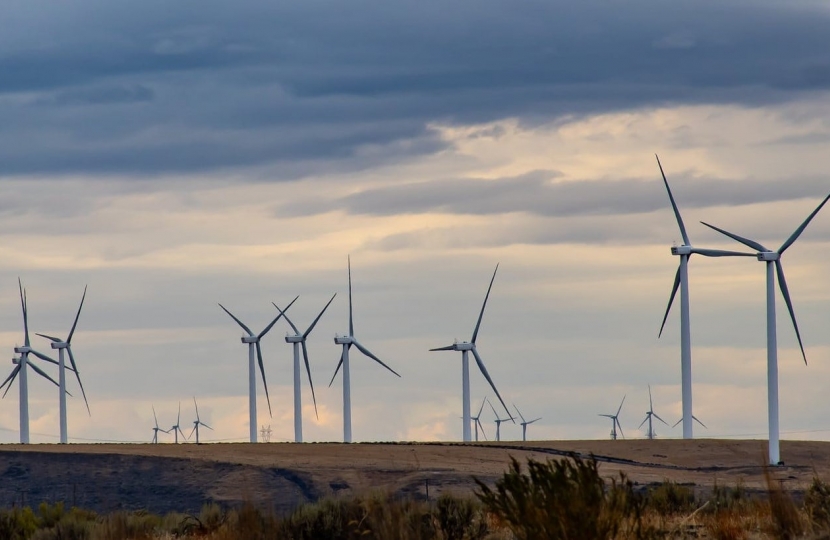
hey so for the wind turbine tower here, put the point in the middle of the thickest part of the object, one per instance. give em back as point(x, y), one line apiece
point(346, 342)
point(477, 420)
point(198, 422)
point(649, 415)
point(498, 421)
point(681, 281)
point(157, 428)
point(176, 429)
point(21, 364)
point(299, 340)
point(774, 266)
point(66, 345)
point(615, 420)
point(466, 347)
point(524, 422)
point(252, 340)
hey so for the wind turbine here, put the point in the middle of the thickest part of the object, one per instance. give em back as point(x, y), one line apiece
point(524, 422)
point(21, 364)
point(615, 419)
point(773, 262)
point(347, 342)
point(681, 281)
point(298, 340)
point(176, 429)
point(649, 414)
point(498, 421)
point(62, 345)
point(477, 420)
point(198, 422)
point(157, 428)
point(252, 341)
point(466, 347)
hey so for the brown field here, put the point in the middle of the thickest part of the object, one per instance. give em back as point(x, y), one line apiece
point(167, 477)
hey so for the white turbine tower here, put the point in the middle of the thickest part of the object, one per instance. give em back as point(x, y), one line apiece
point(773, 262)
point(299, 340)
point(66, 345)
point(615, 420)
point(681, 281)
point(524, 423)
point(477, 420)
point(157, 428)
point(252, 340)
point(347, 342)
point(176, 429)
point(198, 422)
point(466, 347)
point(20, 368)
point(498, 421)
point(649, 414)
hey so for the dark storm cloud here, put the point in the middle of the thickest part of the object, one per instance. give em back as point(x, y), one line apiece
point(192, 86)
point(539, 193)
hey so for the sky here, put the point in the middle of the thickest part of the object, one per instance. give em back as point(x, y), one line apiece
point(174, 156)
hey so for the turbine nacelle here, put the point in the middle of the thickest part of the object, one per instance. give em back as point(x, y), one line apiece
point(681, 250)
point(768, 256)
point(59, 345)
point(22, 350)
point(343, 340)
point(297, 338)
point(464, 346)
point(250, 339)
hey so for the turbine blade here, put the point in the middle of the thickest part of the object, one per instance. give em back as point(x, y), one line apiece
point(268, 328)
point(481, 427)
point(351, 318)
point(25, 313)
point(240, 323)
point(50, 338)
point(207, 426)
point(366, 351)
point(185, 437)
point(494, 410)
point(43, 357)
point(676, 423)
point(698, 421)
point(611, 416)
point(520, 412)
point(447, 348)
point(619, 426)
point(671, 300)
point(77, 315)
point(155, 418)
point(291, 324)
point(534, 420)
point(262, 371)
point(745, 241)
point(43, 374)
point(179, 417)
point(657, 417)
point(481, 314)
point(801, 228)
point(10, 379)
point(308, 371)
point(785, 291)
point(720, 253)
point(77, 376)
point(643, 422)
point(621, 404)
point(674, 205)
point(197, 408)
point(650, 403)
point(340, 363)
point(191, 432)
point(313, 324)
point(483, 370)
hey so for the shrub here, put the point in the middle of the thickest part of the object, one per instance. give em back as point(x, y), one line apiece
point(17, 524)
point(460, 519)
point(817, 504)
point(563, 499)
point(671, 498)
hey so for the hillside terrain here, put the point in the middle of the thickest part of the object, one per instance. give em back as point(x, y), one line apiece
point(167, 477)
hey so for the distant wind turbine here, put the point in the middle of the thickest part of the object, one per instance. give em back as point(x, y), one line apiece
point(299, 340)
point(524, 422)
point(198, 422)
point(252, 340)
point(347, 342)
point(62, 345)
point(156, 429)
point(470, 346)
point(774, 266)
point(615, 419)
point(176, 429)
point(681, 281)
point(649, 414)
point(21, 363)
point(498, 421)
point(477, 420)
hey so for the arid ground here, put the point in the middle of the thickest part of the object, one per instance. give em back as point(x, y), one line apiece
point(168, 477)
